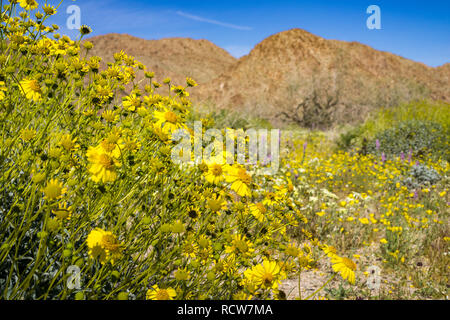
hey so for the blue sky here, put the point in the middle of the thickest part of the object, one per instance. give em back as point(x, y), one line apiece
point(418, 30)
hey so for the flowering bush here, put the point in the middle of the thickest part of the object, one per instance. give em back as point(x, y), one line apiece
point(87, 180)
point(422, 138)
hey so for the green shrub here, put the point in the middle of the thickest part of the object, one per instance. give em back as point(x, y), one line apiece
point(422, 127)
point(421, 175)
point(421, 138)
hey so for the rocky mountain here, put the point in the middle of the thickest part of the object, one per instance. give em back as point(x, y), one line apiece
point(176, 58)
point(290, 76)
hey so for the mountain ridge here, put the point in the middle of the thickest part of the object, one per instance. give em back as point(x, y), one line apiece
point(284, 70)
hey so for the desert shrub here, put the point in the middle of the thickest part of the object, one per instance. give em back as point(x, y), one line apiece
point(421, 138)
point(420, 176)
point(316, 111)
point(396, 126)
point(224, 118)
point(425, 110)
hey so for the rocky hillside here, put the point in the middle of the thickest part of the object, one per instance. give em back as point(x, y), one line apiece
point(292, 76)
point(296, 67)
point(176, 58)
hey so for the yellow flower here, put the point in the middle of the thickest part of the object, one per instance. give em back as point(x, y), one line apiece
point(193, 212)
point(182, 274)
point(131, 144)
point(68, 143)
point(49, 10)
point(271, 198)
point(103, 245)
point(191, 82)
point(215, 173)
point(330, 251)
point(180, 91)
point(240, 245)
point(345, 267)
point(84, 30)
point(266, 275)
point(28, 4)
point(364, 220)
point(156, 293)
point(292, 250)
point(320, 213)
point(110, 116)
point(258, 211)
point(131, 103)
point(27, 134)
point(383, 241)
point(103, 163)
point(103, 93)
point(217, 203)
point(240, 180)
point(31, 89)
point(54, 190)
point(167, 120)
point(63, 212)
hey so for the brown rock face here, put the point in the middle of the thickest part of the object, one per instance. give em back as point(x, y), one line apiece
point(176, 58)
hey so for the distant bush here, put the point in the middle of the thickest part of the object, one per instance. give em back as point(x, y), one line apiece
point(228, 119)
point(421, 175)
point(385, 118)
point(422, 127)
point(418, 137)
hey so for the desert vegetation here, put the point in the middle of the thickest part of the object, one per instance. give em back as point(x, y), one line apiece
point(88, 184)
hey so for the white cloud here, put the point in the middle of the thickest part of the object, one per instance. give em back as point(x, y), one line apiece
point(223, 24)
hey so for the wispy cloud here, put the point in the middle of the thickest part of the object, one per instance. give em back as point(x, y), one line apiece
point(223, 24)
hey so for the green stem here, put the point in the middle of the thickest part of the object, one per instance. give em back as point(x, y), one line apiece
point(315, 292)
point(299, 284)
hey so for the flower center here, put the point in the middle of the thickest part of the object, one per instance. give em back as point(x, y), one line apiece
point(261, 208)
point(34, 86)
point(243, 176)
point(162, 294)
point(216, 170)
point(193, 214)
point(189, 248)
point(267, 279)
point(349, 263)
point(170, 117)
point(53, 191)
point(106, 161)
point(242, 246)
point(110, 242)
